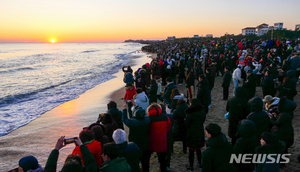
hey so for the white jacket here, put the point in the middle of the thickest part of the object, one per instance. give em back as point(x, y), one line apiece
point(142, 100)
point(237, 74)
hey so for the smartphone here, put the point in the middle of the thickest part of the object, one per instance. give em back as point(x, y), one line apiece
point(70, 140)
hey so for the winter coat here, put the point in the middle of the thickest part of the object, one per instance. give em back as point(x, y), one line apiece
point(130, 93)
point(190, 79)
point(116, 114)
point(153, 93)
point(128, 78)
point(274, 105)
point(250, 85)
point(268, 86)
point(109, 129)
point(118, 164)
point(211, 81)
point(277, 148)
point(202, 94)
point(141, 100)
point(293, 80)
point(138, 130)
point(195, 117)
point(95, 148)
point(90, 162)
point(238, 110)
point(287, 89)
point(132, 153)
point(160, 125)
point(237, 74)
point(283, 128)
point(175, 99)
point(258, 116)
point(217, 155)
point(295, 63)
point(168, 91)
point(247, 143)
point(179, 128)
point(159, 90)
point(226, 79)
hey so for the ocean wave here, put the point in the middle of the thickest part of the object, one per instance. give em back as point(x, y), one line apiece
point(16, 70)
point(90, 51)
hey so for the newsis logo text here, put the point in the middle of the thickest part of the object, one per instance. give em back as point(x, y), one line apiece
point(260, 158)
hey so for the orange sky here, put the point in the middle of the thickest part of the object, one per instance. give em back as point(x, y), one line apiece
point(116, 20)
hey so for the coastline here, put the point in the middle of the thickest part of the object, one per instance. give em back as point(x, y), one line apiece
point(39, 137)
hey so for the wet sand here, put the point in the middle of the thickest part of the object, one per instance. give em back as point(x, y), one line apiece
point(39, 137)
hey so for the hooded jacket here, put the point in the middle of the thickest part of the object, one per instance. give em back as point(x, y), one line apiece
point(258, 116)
point(96, 150)
point(132, 153)
point(217, 156)
point(128, 78)
point(195, 117)
point(130, 93)
point(141, 100)
point(160, 125)
point(286, 105)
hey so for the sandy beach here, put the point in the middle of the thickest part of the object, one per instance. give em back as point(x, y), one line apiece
point(39, 137)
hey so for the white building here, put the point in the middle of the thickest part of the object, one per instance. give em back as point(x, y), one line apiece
point(262, 29)
point(297, 27)
point(278, 26)
point(196, 36)
point(248, 30)
point(171, 38)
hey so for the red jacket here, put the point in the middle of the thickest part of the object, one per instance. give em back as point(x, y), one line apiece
point(130, 93)
point(96, 150)
point(160, 125)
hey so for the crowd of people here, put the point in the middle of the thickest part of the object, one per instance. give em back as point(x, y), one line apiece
point(168, 100)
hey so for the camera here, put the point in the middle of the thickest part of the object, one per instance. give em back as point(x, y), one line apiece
point(70, 140)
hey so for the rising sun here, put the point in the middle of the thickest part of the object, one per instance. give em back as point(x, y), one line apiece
point(53, 40)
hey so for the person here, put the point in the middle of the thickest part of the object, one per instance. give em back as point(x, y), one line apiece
point(30, 164)
point(128, 77)
point(250, 84)
point(168, 90)
point(159, 90)
point(271, 103)
point(130, 92)
point(295, 62)
point(246, 143)
point(138, 131)
point(175, 96)
point(203, 92)
point(181, 68)
point(268, 85)
point(72, 163)
point(98, 130)
point(140, 99)
point(190, 81)
point(216, 156)
point(160, 125)
point(211, 81)
point(111, 160)
point(130, 151)
point(179, 128)
point(116, 114)
point(270, 144)
point(152, 93)
point(236, 77)
point(258, 116)
point(88, 139)
point(195, 117)
point(226, 83)
point(238, 110)
point(110, 125)
point(287, 89)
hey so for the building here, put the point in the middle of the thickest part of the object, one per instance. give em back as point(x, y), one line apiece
point(248, 31)
point(209, 35)
point(171, 38)
point(262, 29)
point(297, 27)
point(196, 36)
point(278, 26)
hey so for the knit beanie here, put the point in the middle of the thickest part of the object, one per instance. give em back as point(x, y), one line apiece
point(28, 163)
point(213, 129)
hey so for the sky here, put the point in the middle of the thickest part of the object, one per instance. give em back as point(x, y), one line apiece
point(119, 20)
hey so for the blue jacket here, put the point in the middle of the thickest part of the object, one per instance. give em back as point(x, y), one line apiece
point(128, 78)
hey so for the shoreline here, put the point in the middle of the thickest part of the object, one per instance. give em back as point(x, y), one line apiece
point(38, 138)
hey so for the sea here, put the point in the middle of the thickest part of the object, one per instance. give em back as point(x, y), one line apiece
point(37, 77)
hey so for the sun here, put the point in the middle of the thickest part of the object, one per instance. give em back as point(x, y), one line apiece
point(53, 40)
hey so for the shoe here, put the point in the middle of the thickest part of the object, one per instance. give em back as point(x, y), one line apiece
point(190, 169)
point(168, 168)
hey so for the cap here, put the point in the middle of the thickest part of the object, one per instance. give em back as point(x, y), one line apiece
point(268, 98)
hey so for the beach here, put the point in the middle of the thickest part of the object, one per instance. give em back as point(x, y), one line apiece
point(39, 137)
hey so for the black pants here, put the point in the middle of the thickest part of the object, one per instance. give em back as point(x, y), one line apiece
point(225, 92)
point(192, 156)
point(161, 159)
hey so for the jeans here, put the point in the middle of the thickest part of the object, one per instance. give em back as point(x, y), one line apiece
point(236, 84)
point(209, 97)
